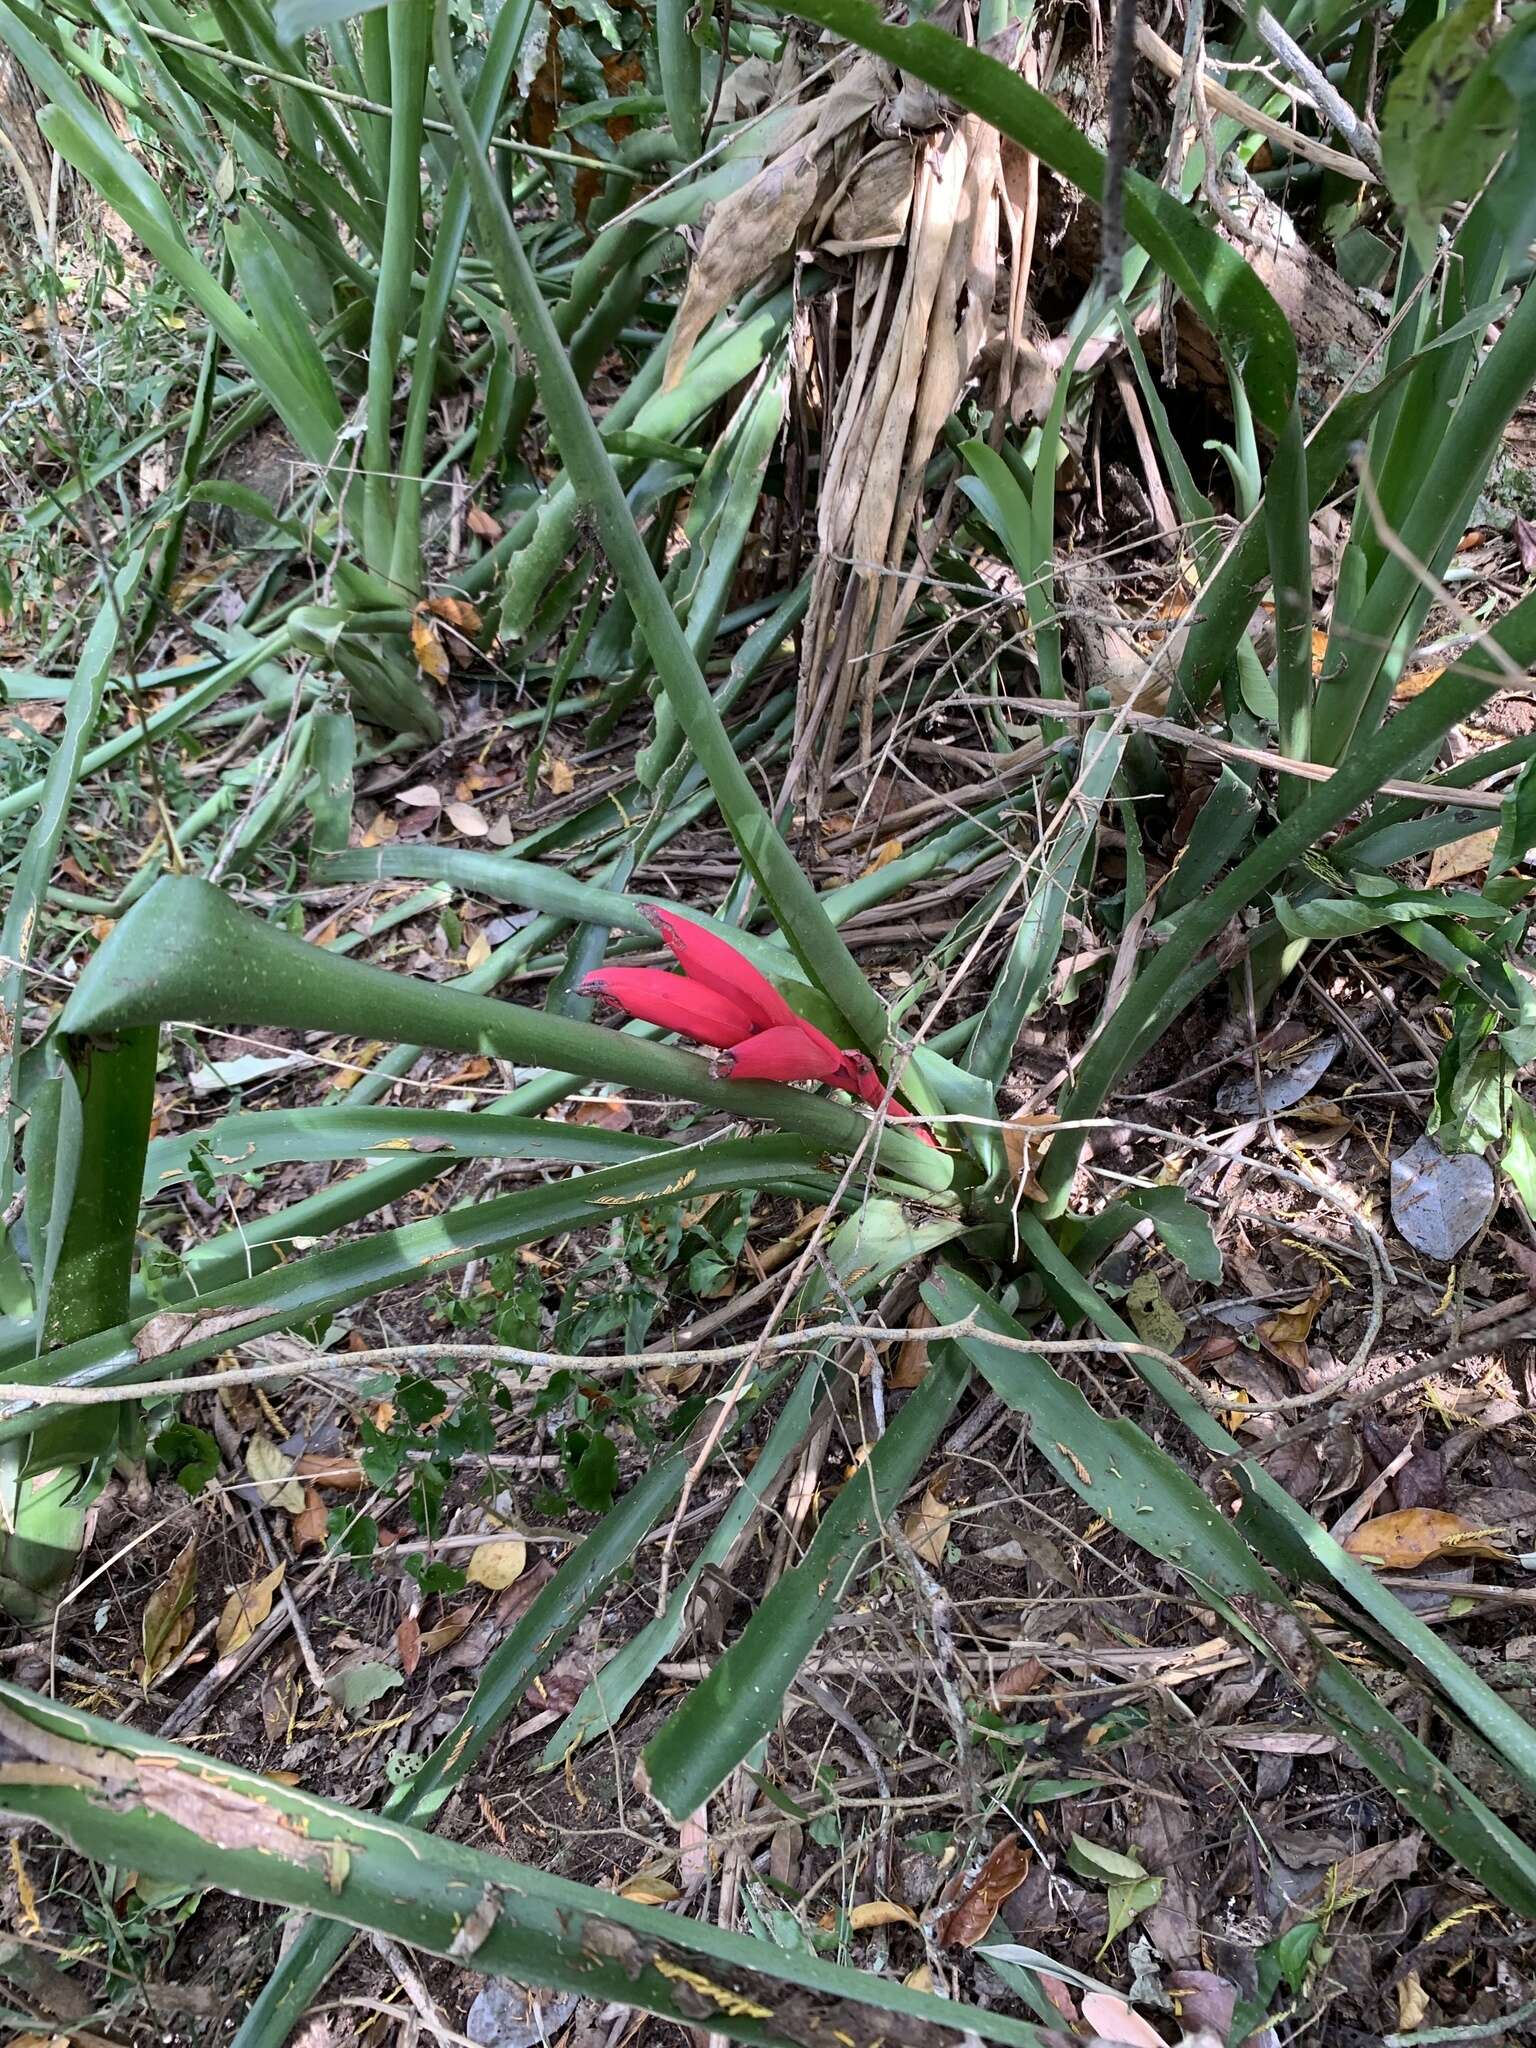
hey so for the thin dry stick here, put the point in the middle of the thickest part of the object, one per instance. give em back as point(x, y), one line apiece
point(17, 1394)
point(1117, 149)
point(1225, 101)
point(1325, 97)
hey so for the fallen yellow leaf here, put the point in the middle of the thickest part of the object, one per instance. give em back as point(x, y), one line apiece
point(498, 1565)
point(1462, 857)
point(245, 1610)
point(890, 851)
point(1415, 1536)
point(880, 1913)
point(431, 655)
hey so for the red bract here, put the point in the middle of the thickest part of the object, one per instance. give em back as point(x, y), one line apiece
point(720, 999)
point(672, 1001)
point(719, 966)
point(786, 1053)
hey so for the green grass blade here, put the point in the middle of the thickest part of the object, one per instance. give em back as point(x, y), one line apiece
point(1037, 939)
point(249, 1141)
point(1288, 525)
point(1290, 1538)
point(1366, 650)
point(602, 1705)
point(319, 1283)
point(34, 871)
point(1129, 1480)
point(409, 31)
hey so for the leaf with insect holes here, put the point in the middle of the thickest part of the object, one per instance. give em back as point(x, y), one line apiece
point(168, 1617)
point(246, 1609)
point(1414, 1536)
point(1156, 1320)
point(271, 1471)
point(498, 1565)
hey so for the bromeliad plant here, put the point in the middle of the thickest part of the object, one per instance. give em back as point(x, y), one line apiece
point(791, 1008)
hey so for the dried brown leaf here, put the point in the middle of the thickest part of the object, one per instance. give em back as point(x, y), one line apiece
point(1003, 1872)
point(457, 612)
point(1286, 1334)
point(168, 1618)
point(749, 231)
point(1462, 857)
point(310, 1527)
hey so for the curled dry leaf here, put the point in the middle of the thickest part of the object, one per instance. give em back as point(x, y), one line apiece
point(880, 1913)
point(646, 1888)
point(912, 1358)
point(447, 1632)
point(168, 1616)
point(558, 776)
point(498, 1565)
point(408, 1644)
point(246, 1609)
point(926, 1528)
point(969, 1919)
point(310, 1527)
point(1414, 1536)
point(1026, 1140)
point(1286, 1334)
point(326, 1468)
point(426, 645)
point(482, 524)
point(457, 612)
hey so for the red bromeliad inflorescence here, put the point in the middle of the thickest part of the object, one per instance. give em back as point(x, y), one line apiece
point(720, 999)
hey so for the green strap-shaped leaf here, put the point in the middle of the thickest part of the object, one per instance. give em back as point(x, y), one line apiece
point(186, 951)
point(147, 1805)
point(319, 1283)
